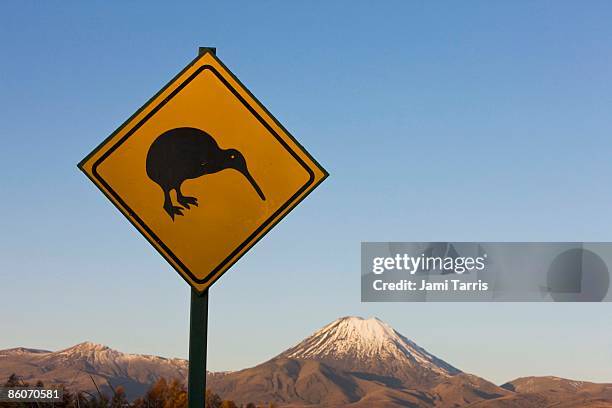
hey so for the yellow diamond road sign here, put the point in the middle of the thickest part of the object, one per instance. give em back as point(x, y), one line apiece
point(203, 171)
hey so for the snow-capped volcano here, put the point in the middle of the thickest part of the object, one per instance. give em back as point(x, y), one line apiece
point(372, 346)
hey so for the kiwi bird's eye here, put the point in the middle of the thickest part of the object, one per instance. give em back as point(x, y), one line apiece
point(232, 157)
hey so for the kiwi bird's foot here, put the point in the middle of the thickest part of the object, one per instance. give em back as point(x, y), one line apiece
point(173, 210)
point(187, 201)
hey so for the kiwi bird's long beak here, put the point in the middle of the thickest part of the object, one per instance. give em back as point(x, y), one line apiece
point(254, 184)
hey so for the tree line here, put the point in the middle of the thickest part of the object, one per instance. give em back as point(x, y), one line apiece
point(162, 394)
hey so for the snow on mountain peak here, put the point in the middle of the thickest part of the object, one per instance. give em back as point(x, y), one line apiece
point(86, 347)
point(372, 330)
point(360, 341)
point(89, 345)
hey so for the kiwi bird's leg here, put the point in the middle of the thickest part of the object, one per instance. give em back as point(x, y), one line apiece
point(171, 209)
point(185, 201)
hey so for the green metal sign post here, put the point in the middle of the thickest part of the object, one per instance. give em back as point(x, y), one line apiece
point(198, 332)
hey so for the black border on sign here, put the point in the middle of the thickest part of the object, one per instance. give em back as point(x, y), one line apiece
point(269, 223)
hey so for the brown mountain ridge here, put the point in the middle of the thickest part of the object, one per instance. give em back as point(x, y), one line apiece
point(351, 362)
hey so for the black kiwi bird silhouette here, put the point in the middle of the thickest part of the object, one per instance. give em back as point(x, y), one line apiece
point(187, 153)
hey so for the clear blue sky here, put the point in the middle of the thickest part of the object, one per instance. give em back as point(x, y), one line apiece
point(450, 121)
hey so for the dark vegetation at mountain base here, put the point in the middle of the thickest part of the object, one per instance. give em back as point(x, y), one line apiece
point(162, 394)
